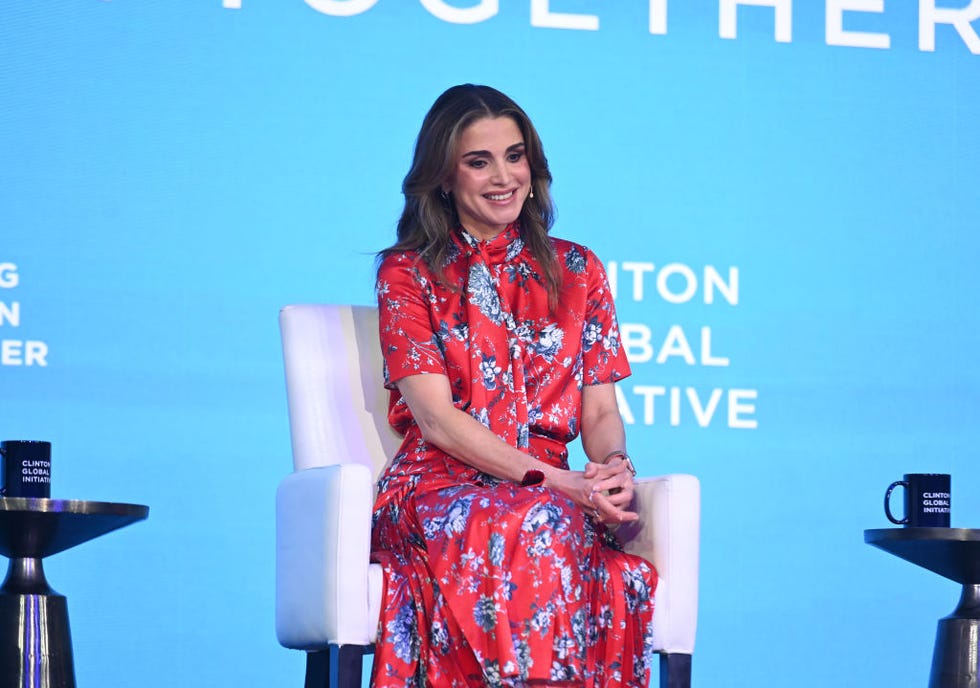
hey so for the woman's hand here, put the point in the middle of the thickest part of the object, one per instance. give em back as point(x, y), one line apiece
point(604, 491)
point(611, 491)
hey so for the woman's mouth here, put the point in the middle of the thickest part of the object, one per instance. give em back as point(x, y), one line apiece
point(500, 196)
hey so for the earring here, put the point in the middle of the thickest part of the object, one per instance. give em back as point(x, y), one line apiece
point(443, 194)
point(532, 193)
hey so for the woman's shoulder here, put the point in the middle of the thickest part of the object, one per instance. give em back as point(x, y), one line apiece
point(392, 262)
point(398, 257)
point(574, 257)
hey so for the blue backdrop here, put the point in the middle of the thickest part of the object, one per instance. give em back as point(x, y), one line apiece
point(786, 196)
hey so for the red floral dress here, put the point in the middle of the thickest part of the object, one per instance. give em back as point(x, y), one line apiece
point(490, 583)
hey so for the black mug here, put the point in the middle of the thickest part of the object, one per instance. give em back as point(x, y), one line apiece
point(927, 497)
point(26, 468)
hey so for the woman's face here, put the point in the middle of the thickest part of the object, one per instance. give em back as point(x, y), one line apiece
point(491, 178)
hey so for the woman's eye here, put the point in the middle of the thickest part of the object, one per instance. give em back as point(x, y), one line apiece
point(515, 157)
point(477, 163)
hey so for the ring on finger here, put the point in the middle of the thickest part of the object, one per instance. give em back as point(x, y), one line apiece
point(595, 509)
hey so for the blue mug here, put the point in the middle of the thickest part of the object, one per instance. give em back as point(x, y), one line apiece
point(927, 499)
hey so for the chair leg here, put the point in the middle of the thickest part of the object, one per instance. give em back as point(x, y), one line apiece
point(317, 669)
point(337, 667)
point(675, 671)
point(345, 665)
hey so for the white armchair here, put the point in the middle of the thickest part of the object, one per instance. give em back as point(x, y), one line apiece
point(328, 593)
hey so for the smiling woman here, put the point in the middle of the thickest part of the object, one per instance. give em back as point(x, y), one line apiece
point(501, 345)
point(448, 153)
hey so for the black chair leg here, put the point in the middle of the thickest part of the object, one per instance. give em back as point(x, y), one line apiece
point(675, 671)
point(317, 669)
point(338, 667)
point(345, 665)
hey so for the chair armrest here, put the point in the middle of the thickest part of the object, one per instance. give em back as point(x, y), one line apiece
point(323, 543)
point(668, 535)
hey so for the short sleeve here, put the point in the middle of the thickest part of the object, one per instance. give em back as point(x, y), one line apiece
point(409, 343)
point(603, 356)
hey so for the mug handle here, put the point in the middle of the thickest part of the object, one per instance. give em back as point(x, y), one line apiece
point(888, 494)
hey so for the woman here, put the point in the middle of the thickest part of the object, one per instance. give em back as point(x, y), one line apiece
point(501, 345)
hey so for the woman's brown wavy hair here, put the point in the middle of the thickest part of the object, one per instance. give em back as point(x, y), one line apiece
point(429, 219)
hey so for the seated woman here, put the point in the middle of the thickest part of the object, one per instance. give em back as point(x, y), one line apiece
point(501, 346)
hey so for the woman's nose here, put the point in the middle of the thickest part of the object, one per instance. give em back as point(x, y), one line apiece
point(501, 173)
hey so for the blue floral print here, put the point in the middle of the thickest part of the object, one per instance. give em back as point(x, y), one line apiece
point(454, 522)
point(404, 633)
point(483, 294)
point(490, 370)
point(485, 613)
point(496, 549)
point(549, 342)
point(575, 260)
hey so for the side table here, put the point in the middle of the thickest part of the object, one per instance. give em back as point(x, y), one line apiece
point(955, 554)
point(35, 640)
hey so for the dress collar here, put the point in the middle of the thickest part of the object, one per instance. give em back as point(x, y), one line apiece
point(499, 249)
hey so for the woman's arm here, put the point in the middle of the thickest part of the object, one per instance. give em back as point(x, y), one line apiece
point(602, 426)
point(604, 441)
point(459, 434)
point(429, 398)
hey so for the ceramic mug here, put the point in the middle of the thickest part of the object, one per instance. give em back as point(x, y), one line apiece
point(927, 498)
point(26, 468)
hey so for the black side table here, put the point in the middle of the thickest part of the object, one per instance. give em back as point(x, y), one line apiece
point(955, 554)
point(35, 640)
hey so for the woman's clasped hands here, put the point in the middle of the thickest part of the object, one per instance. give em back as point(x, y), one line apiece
point(608, 490)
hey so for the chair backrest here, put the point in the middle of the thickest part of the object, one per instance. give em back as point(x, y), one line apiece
point(338, 405)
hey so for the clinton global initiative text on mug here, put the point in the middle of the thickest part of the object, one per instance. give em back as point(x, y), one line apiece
point(927, 499)
point(26, 468)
